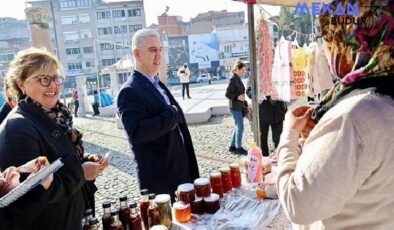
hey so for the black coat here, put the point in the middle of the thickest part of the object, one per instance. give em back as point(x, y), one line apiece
point(164, 156)
point(234, 89)
point(26, 134)
point(4, 111)
point(272, 111)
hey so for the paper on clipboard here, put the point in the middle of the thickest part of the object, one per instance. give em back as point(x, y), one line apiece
point(30, 183)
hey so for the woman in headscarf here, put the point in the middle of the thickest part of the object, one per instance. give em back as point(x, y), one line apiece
point(342, 177)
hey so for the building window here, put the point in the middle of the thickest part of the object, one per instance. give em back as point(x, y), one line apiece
point(106, 46)
point(118, 14)
point(227, 49)
point(134, 13)
point(103, 14)
point(105, 30)
point(89, 64)
point(67, 4)
point(134, 28)
point(69, 20)
point(72, 51)
point(74, 65)
point(71, 37)
point(86, 34)
point(6, 57)
point(84, 18)
point(120, 29)
point(108, 62)
point(88, 50)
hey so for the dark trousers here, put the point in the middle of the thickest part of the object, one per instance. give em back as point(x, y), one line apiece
point(276, 129)
point(96, 109)
point(185, 86)
point(76, 107)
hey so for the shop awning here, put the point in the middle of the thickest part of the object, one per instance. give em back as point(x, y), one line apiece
point(125, 64)
point(281, 2)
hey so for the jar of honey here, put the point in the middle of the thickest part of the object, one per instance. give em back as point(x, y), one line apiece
point(235, 175)
point(182, 211)
point(211, 203)
point(203, 187)
point(226, 179)
point(163, 202)
point(186, 193)
point(216, 183)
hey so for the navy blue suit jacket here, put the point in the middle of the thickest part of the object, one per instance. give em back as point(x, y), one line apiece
point(158, 136)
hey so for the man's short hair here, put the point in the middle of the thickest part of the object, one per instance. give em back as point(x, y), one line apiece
point(140, 35)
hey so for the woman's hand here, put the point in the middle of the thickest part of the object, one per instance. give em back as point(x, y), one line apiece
point(241, 97)
point(91, 169)
point(98, 159)
point(298, 119)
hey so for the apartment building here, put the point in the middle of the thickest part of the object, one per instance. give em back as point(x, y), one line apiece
point(14, 36)
point(206, 22)
point(89, 35)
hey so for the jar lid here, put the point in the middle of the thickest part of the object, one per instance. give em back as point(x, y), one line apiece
point(106, 204)
point(162, 198)
point(215, 174)
point(87, 212)
point(234, 165)
point(133, 204)
point(180, 205)
point(187, 187)
point(201, 181)
point(225, 169)
point(152, 196)
point(197, 199)
point(144, 192)
point(93, 221)
point(123, 198)
point(212, 198)
point(114, 212)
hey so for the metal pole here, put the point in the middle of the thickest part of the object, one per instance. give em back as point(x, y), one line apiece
point(253, 68)
point(97, 71)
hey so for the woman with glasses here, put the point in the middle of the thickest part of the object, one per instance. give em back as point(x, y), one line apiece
point(41, 125)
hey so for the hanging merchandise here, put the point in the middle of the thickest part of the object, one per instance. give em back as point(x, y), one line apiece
point(281, 71)
point(322, 79)
point(265, 57)
point(298, 63)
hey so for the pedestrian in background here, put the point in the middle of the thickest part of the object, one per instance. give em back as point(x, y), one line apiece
point(235, 92)
point(96, 103)
point(154, 121)
point(76, 102)
point(42, 125)
point(184, 76)
point(342, 177)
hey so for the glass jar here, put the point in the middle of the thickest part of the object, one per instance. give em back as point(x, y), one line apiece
point(216, 183)
point(211, 203)
point(182, 211)
point(235, 175)
point(186, 193)
point(226, 179)
point(163, 201)
point(197, 206)
point(203, 187)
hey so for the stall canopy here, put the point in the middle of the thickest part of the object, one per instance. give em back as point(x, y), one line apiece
point(281, 2)
point(125, 64)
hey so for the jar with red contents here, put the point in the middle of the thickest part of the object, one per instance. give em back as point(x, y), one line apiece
point(203, 187)
point(186, 193)
point(226, 179)
point(235, 175)
point(211, 203)
point(197, 205)
point(216, 183)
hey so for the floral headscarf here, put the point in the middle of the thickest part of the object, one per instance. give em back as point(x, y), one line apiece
point(359, 50)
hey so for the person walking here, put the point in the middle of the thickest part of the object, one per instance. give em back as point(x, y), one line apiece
point(184, 76)
point(76, 102)
point(154, 121)
point(235, 92)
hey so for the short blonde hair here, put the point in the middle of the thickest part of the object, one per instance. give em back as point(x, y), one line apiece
point(24, 63)
point(238, 65)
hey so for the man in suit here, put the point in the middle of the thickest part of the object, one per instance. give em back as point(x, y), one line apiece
point(154, 121)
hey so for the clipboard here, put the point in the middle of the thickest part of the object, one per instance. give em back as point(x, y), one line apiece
point(29, 183)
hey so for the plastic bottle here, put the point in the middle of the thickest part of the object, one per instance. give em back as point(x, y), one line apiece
point(255, 169)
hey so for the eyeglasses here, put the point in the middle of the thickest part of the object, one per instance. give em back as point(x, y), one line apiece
point(45, 80)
